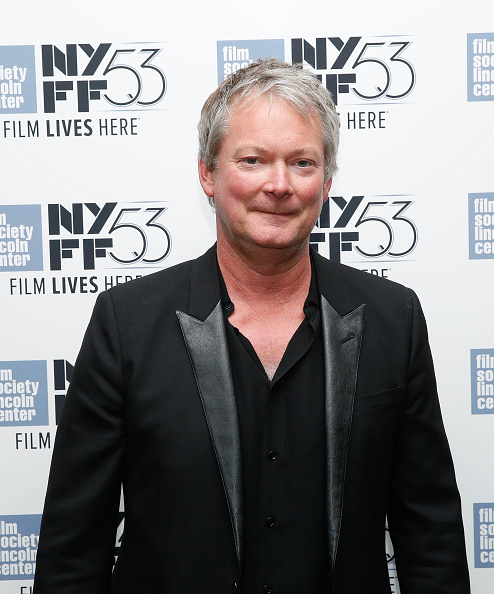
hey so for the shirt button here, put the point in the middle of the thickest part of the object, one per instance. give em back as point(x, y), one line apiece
point(270, 522)
point(267, 589)
point(227, 305)
point(272, 455)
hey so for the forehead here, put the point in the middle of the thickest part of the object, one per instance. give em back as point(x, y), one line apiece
point(269, 115)
point(271, 100)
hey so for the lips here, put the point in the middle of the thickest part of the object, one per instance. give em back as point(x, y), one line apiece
point(275, 213)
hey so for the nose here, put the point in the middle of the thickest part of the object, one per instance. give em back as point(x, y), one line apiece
point(278, 183)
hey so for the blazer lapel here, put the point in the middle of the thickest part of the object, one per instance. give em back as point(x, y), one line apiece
point(342, 340)
point(203, 329)
point(208, 352)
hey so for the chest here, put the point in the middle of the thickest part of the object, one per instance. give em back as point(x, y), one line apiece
point(269, 334)
point(282, 435)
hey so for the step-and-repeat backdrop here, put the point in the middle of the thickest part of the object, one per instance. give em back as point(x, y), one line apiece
point(98, 185)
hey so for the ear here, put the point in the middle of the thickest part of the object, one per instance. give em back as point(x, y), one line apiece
point(326, 188)
point(206, 177)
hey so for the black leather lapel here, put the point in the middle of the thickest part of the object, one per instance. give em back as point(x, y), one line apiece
point(342, 340)
point(208, 351)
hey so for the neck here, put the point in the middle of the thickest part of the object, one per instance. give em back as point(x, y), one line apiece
point(270, 275)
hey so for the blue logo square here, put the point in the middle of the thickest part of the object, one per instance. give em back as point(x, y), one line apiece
point(482, 377)
point(21, 246)
point(483, 534)
point(480, 66)
point(236, 54)
point(17, 79)
point(19, 537)
point(481, 225)
point(23, 393)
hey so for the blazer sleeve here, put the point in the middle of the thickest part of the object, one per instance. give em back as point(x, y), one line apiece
point(424, 511)
point(77, 539)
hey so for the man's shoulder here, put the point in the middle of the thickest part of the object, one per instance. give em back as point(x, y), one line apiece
point(349, 287)
point(161, 280)
point(170, 283)
point(360, 277)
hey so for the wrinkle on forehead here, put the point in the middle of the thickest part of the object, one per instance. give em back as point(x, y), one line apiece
point(245, 99)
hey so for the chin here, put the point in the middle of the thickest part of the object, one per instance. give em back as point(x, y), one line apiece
point(276, 243)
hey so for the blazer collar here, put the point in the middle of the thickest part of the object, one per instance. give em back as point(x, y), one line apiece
point(203, 328)
point(204, 334)
point(204, 285)
point(342, 335)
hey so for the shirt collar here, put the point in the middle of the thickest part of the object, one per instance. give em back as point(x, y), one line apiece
point(311, 305)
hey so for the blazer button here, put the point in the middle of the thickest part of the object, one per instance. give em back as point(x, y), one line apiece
point(270, 522)
point(267, 589)
point(235, 588)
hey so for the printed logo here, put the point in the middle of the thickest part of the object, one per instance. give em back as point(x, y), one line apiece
point(82, 237)
point(23, 393)
point(480, 66)
point(481, 225)
point(127, 75)
point(81, 77)
point(17, 79)
point(233, 55)
point(374, 227)
point(62, 376)
point(483, 528)
point(20, 238)
point(373, 69)
point(115, 235)
point(482, 374)
point(19, 537)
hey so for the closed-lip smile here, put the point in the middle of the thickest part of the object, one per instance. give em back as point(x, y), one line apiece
point(271, 212)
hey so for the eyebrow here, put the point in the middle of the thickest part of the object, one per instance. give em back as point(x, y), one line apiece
point(259, 149)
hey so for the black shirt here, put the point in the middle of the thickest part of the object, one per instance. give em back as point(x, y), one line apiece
point(282, 435)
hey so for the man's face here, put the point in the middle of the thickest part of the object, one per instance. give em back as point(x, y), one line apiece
point(268, 186)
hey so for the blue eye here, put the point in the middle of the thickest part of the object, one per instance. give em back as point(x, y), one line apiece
point(303, 163)
point(251, 160)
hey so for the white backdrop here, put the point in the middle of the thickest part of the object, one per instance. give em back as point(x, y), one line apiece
point(419, 166)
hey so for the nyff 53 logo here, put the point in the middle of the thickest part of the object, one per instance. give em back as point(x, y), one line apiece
point(115, 234)
point(102, 77)
point(370, 227)
point(375, 70)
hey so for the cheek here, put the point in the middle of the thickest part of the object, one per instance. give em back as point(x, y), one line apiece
point(235, 192)
point(230, 198)
point(243, 186)
point(312, 193)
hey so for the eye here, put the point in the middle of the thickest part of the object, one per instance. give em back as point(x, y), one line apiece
point(251, 160)
point(303, 163)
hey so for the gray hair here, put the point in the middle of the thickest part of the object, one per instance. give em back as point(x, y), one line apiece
point(299, 88)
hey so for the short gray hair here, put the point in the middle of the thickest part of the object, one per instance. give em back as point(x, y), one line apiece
point(299, 88)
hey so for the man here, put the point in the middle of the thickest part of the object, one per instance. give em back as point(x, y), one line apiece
point(264, 408)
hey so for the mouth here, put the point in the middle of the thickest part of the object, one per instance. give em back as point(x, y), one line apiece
point(276, 213)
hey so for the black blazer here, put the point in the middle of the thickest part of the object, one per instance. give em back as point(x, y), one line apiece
point(151, 405)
